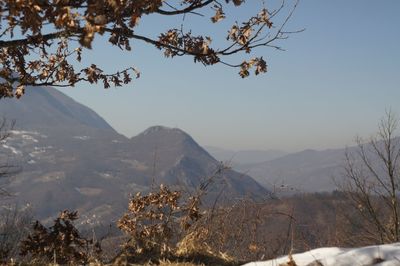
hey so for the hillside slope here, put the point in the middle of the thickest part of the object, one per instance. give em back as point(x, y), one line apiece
point(71, 158)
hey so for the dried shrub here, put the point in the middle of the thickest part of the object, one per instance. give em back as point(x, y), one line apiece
point(244, 231)
point(164, 225)
point(61, 243)
point(14, 223)
point(156, 222)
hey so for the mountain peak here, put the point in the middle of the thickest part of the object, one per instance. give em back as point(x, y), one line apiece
point(45, 107)
point(162, 129)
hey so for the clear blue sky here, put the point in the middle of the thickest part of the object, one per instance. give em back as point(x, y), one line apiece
point(334, 81)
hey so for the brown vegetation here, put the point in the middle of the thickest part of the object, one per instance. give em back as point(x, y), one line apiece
point(54, 34)
point(245, 231)
point(61, 243)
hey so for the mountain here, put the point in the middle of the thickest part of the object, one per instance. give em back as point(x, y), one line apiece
point(190, 163)
point(305, 171)
point(71, 158)
point(47, 109)
point(243, 156)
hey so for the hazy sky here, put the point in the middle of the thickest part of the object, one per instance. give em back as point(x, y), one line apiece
point(334, 81)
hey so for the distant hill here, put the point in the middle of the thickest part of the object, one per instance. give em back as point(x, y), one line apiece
point(244, 156)
point(305, 171)
point(72, 158)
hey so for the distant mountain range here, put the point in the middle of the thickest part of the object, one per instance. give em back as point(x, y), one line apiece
point(240, 157)
point(72, 158)
point(305, 171)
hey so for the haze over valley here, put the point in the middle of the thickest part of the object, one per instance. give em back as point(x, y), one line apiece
point(71, 158)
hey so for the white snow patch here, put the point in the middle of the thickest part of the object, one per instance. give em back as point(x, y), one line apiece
point(106, 175)
point(29, 138)
point(23, 132)
point(39, 150)
point(13, 150)
point(81, 137)
point(31, 161)
point(383, 255)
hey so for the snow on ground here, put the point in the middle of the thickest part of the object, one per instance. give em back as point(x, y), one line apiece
point(383, 255)
point(23, 132)
point(29, 138)
point(81, 137)
point(12, 149)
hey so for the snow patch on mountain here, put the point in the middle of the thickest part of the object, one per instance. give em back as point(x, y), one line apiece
point(81, 137)
point(24, 132)
point(12, 149)
point(29, 138)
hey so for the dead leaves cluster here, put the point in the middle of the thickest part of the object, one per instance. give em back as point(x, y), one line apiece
point(43, 41)
point(155, 221)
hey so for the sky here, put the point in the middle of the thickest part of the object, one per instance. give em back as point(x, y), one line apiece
point(333, 82)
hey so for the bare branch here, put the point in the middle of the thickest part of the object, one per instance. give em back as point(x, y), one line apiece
point(40, 54)
point(370, 188)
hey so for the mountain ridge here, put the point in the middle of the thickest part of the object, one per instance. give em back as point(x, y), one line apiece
point(304, 171)
point(240, 157)
point(77, 161)
point(43, 108)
